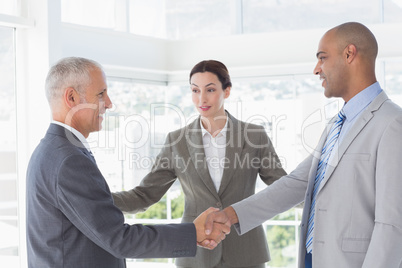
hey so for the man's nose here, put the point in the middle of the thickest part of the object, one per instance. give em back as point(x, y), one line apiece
point(108, 103)
point(317, 69)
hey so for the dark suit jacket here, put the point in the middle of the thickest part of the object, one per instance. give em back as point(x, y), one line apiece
point(71, 218)
point(249, 153)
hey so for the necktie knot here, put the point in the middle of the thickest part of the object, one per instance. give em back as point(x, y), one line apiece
point(341, 116)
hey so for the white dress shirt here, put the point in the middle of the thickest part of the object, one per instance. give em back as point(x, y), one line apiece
point(215, 152)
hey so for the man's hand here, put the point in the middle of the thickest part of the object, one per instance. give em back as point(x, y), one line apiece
point(227, 216)
point(217, 233)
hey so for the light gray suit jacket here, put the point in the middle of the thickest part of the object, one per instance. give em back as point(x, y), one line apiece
point(358, 219)
point(249, 153)
point(72, 221)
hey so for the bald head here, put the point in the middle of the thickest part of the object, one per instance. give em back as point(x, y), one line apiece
point(360, 36)
point(346, 60)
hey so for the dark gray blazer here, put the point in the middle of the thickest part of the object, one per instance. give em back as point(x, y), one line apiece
point(249, 153)
point(71, 218)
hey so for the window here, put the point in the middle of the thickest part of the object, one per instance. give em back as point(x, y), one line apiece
point(9, 249)
point(171, 19)
point(183, 19)
point(292, 108)
point(393, 80)
point(283, 238)
point(272, 15)
point(147, 18)
point(392, 11)
point(108, 13)
point(192, 18)
point(8, 7)
point(130, 136)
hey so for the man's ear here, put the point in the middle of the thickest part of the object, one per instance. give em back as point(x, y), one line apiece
point(71, 97)
point(350, 53)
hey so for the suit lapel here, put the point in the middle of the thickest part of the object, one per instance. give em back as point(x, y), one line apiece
point(234, 147)
point(316, 154)
point(357, 127)
point(196, 150)
point(55, 129)
point(90, 155)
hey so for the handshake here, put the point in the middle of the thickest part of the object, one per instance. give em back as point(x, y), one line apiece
point(213, 225)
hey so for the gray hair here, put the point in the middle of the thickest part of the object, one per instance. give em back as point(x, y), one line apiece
point(69, 72)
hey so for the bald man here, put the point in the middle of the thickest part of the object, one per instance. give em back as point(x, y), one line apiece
point(351, 184)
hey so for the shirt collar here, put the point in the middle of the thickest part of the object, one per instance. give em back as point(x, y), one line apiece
point(75, 132)
point(361, 100)
point(222, 132)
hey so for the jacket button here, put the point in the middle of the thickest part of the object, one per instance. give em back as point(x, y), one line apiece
point(219, 205)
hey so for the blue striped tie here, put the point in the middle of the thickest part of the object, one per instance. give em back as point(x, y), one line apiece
point(322, 166)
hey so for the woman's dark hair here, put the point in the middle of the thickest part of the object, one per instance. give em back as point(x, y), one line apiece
point(215, 67)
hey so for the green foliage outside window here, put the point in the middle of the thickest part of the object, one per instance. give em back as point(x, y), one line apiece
point(178, 206)
point(159, 210)
point(156, 211)
point(281, 241)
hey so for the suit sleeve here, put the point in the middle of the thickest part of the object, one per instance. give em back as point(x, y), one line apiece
point(282, 195)
point(385, 249)
point(270, 166)
point(84, 198)
point(152, 187)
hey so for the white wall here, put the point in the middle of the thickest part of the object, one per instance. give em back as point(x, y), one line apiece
point(113, 48)
point(245, 55)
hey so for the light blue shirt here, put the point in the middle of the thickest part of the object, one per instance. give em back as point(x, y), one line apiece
point(356, 105)
point(353, 110)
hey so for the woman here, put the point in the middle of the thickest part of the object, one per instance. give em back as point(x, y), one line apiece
point(217, 159)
